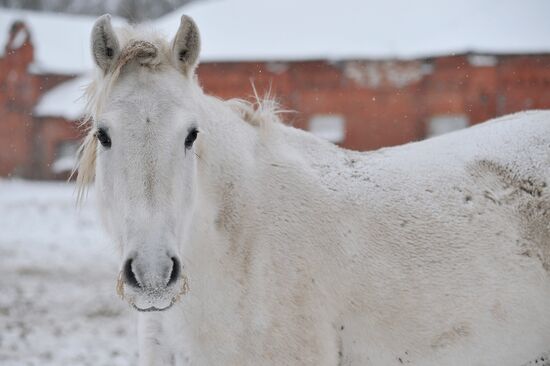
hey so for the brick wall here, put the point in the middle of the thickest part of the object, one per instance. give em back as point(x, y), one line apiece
point(19, 92)
point(49, 136)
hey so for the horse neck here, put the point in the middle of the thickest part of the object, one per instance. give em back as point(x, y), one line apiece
point(225, 154)
point(225, 158)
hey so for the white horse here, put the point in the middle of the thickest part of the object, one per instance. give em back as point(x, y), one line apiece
point(248, 242)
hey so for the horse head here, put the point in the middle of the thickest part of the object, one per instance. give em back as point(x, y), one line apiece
point(141, 149)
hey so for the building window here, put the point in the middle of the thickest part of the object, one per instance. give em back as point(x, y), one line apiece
point(65, 157)
point(438, 125)
point(330, 127)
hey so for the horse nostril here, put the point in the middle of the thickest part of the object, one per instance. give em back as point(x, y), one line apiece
point(128, 274)
point(176, 268)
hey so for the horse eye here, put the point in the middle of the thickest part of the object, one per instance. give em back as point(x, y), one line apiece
point(191, 137)
point(103, 137)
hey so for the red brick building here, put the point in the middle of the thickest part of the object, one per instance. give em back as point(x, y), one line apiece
point(360, 104)
point(21, 136)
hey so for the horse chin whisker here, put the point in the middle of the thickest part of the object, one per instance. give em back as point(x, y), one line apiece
point(184, 288)
point(120, 286)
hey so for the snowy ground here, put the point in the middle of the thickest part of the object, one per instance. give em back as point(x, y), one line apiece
point(57, 282)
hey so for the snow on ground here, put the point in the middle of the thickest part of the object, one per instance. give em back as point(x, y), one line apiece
point(58, 304)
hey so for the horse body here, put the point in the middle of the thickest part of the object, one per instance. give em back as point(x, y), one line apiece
point(430, 253)
point(301, 253)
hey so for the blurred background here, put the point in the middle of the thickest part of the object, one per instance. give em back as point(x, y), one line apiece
point(363, 74)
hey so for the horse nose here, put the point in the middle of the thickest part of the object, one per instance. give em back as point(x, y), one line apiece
point(174, 271)
point(163, 274)
point(129, 275)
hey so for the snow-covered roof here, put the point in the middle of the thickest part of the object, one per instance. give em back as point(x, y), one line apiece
point(64, 100)
point(61, 41)
point(234, 30)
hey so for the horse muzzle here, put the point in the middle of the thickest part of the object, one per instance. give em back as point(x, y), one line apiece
point(152, 284)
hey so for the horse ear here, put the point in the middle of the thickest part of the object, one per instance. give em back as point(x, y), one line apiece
point(186, 45)
point(105, 46)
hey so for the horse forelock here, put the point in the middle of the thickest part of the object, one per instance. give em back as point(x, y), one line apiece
point(145, 52)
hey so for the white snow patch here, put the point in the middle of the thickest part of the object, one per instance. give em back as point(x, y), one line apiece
point(19, 39)
point(277, 67)
point(65, 100)
point(64, 164)
point(374, 74)
point(57, 278)
point(482, 60)
point(442, 124)
point(331, 127)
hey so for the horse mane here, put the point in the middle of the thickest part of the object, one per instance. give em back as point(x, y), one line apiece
point(154, 52)
point(259, 111)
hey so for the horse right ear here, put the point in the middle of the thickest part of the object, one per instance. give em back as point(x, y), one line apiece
point(105, 46)
point(186, 45)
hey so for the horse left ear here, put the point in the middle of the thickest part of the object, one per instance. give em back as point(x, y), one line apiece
point(105, 46)
point(186, 45)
